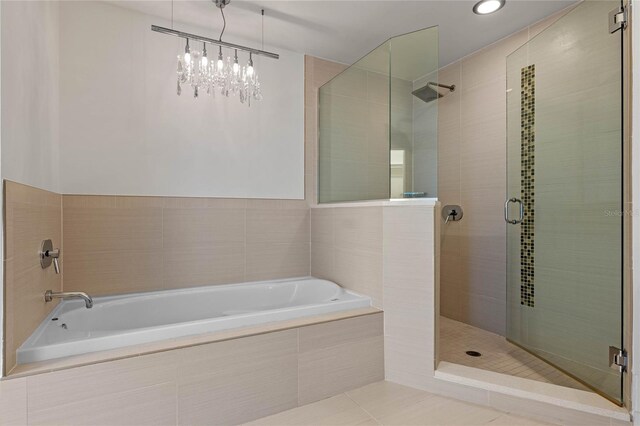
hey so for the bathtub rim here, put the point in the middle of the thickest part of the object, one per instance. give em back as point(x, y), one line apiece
point(144, 332)
point(54, 364)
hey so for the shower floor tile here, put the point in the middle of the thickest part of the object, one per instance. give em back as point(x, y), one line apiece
point(498, 355)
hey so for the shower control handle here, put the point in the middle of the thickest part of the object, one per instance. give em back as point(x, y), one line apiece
point(49, 255)
point(506, 211)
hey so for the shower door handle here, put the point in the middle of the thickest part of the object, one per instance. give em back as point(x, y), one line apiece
point(506, 211)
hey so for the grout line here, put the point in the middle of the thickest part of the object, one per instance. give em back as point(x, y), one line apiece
point(362, 408)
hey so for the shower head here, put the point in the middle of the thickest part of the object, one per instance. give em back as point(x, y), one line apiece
point(428, 93)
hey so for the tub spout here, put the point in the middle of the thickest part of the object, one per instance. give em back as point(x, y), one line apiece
point(50, 295)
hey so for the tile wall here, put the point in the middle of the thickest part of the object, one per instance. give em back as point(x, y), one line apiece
point(132, 244)
point(31, 215)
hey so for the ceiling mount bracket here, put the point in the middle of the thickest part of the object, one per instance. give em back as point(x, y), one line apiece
point(221, 3)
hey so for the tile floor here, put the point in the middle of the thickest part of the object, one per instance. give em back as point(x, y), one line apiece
point(386, 403)
point(498, 355)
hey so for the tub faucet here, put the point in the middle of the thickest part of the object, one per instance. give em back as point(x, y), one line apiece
point(49, 295)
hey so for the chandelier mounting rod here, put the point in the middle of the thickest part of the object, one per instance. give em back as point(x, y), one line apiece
point(203, 39)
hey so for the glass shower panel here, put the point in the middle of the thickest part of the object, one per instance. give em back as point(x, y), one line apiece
point(377, 140)
point(414, 117)
point(564, 164)
point(354, 131)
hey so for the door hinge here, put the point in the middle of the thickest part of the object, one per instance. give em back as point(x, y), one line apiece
point(618, 359)
point(617, 19)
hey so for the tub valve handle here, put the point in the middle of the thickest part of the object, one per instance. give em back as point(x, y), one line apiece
point(48, 255)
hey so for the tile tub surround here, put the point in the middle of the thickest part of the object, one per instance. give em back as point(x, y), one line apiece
point(228, 382)
point(31, 215)
point(131, 244)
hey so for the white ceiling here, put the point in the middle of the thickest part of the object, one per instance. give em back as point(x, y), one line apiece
point(344, 31)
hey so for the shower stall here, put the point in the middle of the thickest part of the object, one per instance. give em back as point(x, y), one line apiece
point(565, 208)
point(537, 261)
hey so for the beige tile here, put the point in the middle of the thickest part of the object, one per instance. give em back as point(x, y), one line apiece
point(25, 304)
point(360, 271)
point(382, 398)
point(13, 402)
point(336, 357)
point(322, 225)
point(338, 410)
point(436, 410)
point(543, 24)
point(408, 223)
point(27, 225)
point(358, 228)
point(73, 386)
point(322, 261)
point(482, 102)
point(130, 202)
point(114, 272)
point(260, 204)
point(408, 356)
point(277, 226)
point(498, 355)
point(203, 203)
point(193, 227)
point(324, 70)
point(238, 381)
point(25, 194)
point(115, 229)
point(217, 264)
point(336, 369)
point(154, 405)
point(490, 63)
point(544, 412)
point(510, 420)
point(270, 261)
point(323, 336)
point(88, 201)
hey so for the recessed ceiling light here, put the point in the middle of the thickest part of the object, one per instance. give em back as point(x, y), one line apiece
point(484, 7)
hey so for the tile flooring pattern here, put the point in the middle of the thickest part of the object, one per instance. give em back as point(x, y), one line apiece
point(386, 403)
point(498, 355)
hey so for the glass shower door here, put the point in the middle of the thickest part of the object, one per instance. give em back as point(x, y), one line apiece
point(564, 203)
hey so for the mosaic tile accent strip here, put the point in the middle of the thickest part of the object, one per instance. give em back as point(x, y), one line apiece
point(527, 183)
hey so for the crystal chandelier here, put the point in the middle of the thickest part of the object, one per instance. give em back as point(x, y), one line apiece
point(196, 70)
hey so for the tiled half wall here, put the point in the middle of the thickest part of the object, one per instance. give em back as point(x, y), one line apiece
point(228, 382)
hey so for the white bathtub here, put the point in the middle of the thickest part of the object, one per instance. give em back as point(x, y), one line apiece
point(118, 321)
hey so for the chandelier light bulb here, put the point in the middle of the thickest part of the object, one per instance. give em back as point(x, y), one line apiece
point(236, 66)
point(250, 66)
point(204, 61)
point(187, 54)
point(220, 60)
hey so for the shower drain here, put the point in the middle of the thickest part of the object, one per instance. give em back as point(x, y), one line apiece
point(473, 353)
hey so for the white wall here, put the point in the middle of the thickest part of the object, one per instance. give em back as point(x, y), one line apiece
point(123, 129)
point(30, 148)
